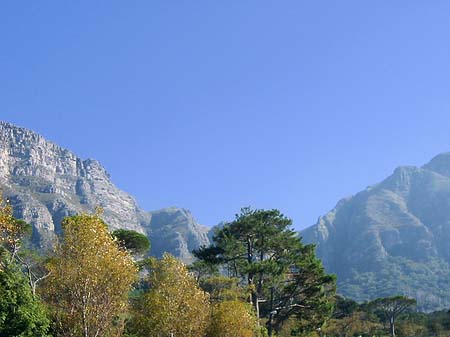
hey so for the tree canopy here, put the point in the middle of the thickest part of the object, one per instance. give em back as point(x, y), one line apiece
point(90, 280)
point(136, 243)
point(232, 318)
point(173, 304)
point(257, 274)
point(21, 313)
point(391, 308)
point(260, 248)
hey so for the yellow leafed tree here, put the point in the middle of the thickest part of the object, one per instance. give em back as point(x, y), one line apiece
point(90, 279)
point(232, 319)
point(174, 305)
point(11, 229)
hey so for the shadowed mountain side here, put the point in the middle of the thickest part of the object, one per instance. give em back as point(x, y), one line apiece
point(392, 238)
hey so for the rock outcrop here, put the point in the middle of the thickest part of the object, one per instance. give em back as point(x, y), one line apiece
point(392, 238)
point(46, 183)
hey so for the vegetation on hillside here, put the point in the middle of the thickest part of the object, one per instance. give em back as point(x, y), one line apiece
point(257, 279)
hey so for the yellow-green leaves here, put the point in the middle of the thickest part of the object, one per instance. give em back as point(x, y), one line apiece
point(232, 319)
point(173, 305)
point(90, 280)
point(12, 232)
point(10, 228)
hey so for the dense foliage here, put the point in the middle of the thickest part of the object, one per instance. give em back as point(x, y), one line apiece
point(283, 276)
point(21, 314)
point(257, 279)
point(427, 281)
point(232, 319)
point(89, 281)
point(136, 243)
point(173, 305)
point(391, 316)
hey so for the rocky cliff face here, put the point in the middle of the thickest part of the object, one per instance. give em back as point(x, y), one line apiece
point(46, 183)
point(392, 238)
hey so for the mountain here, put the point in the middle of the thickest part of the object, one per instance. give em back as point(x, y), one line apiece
point(45, 183)
point(392, 238)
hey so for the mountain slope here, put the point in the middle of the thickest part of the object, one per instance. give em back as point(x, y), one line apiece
point(46, 183)
point(392, 238)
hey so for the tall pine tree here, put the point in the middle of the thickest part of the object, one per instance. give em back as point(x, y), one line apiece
point(283, 276)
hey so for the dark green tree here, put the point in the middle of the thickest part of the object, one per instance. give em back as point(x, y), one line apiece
point(136, 243)
point(21, 313)
point(344, 307)
point(390, 308)
point(260, 248)
point(306, 293)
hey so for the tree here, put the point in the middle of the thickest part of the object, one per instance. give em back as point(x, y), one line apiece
point(90, 280)
point(202, 270)
point(391, 308)
point(344, 307)
point(21, 313)
point(12, 230)
point(13, 233)
point(261, 249)
point(256, 247)
point(232, 319)
point(136, 243)
point(358, 323)
point(174, 305)
point(221, 288)
point(306, 293)
point(411, 329)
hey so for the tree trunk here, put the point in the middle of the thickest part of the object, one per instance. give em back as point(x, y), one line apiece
point(261, 259)
point(251, 275)
point(392, 326)
point(270, 327)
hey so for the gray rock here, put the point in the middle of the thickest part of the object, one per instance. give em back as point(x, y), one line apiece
point(46, 183)
point(392, 238)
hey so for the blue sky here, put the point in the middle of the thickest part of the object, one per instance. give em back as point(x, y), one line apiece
point(215, 105)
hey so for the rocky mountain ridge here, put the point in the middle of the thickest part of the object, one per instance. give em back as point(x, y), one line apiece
point(392, 238)
point(46, 183)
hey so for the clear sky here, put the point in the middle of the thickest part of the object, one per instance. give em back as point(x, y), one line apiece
point(215, 105)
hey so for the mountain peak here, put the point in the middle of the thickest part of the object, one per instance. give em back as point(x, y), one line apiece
point(393, 238)
point(46, 183)
point(4, 124)
point(440, 164)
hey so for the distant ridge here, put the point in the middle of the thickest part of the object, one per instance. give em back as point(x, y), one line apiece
point(393, 237)
point(46, 183)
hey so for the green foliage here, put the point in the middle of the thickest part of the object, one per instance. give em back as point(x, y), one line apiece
point(344, 307)
point(136, 243)
point(358, 323)
point(264, 253)
point(221, 288)
point(21, 314)
point(307, 293)
point(12, 231)
point(202, 269)
point(391, 308)
point(427, 281)
point(256, 258)
point(384, 317)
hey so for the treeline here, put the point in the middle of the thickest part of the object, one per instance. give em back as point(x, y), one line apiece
point(257, 279)
point(393, 316)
